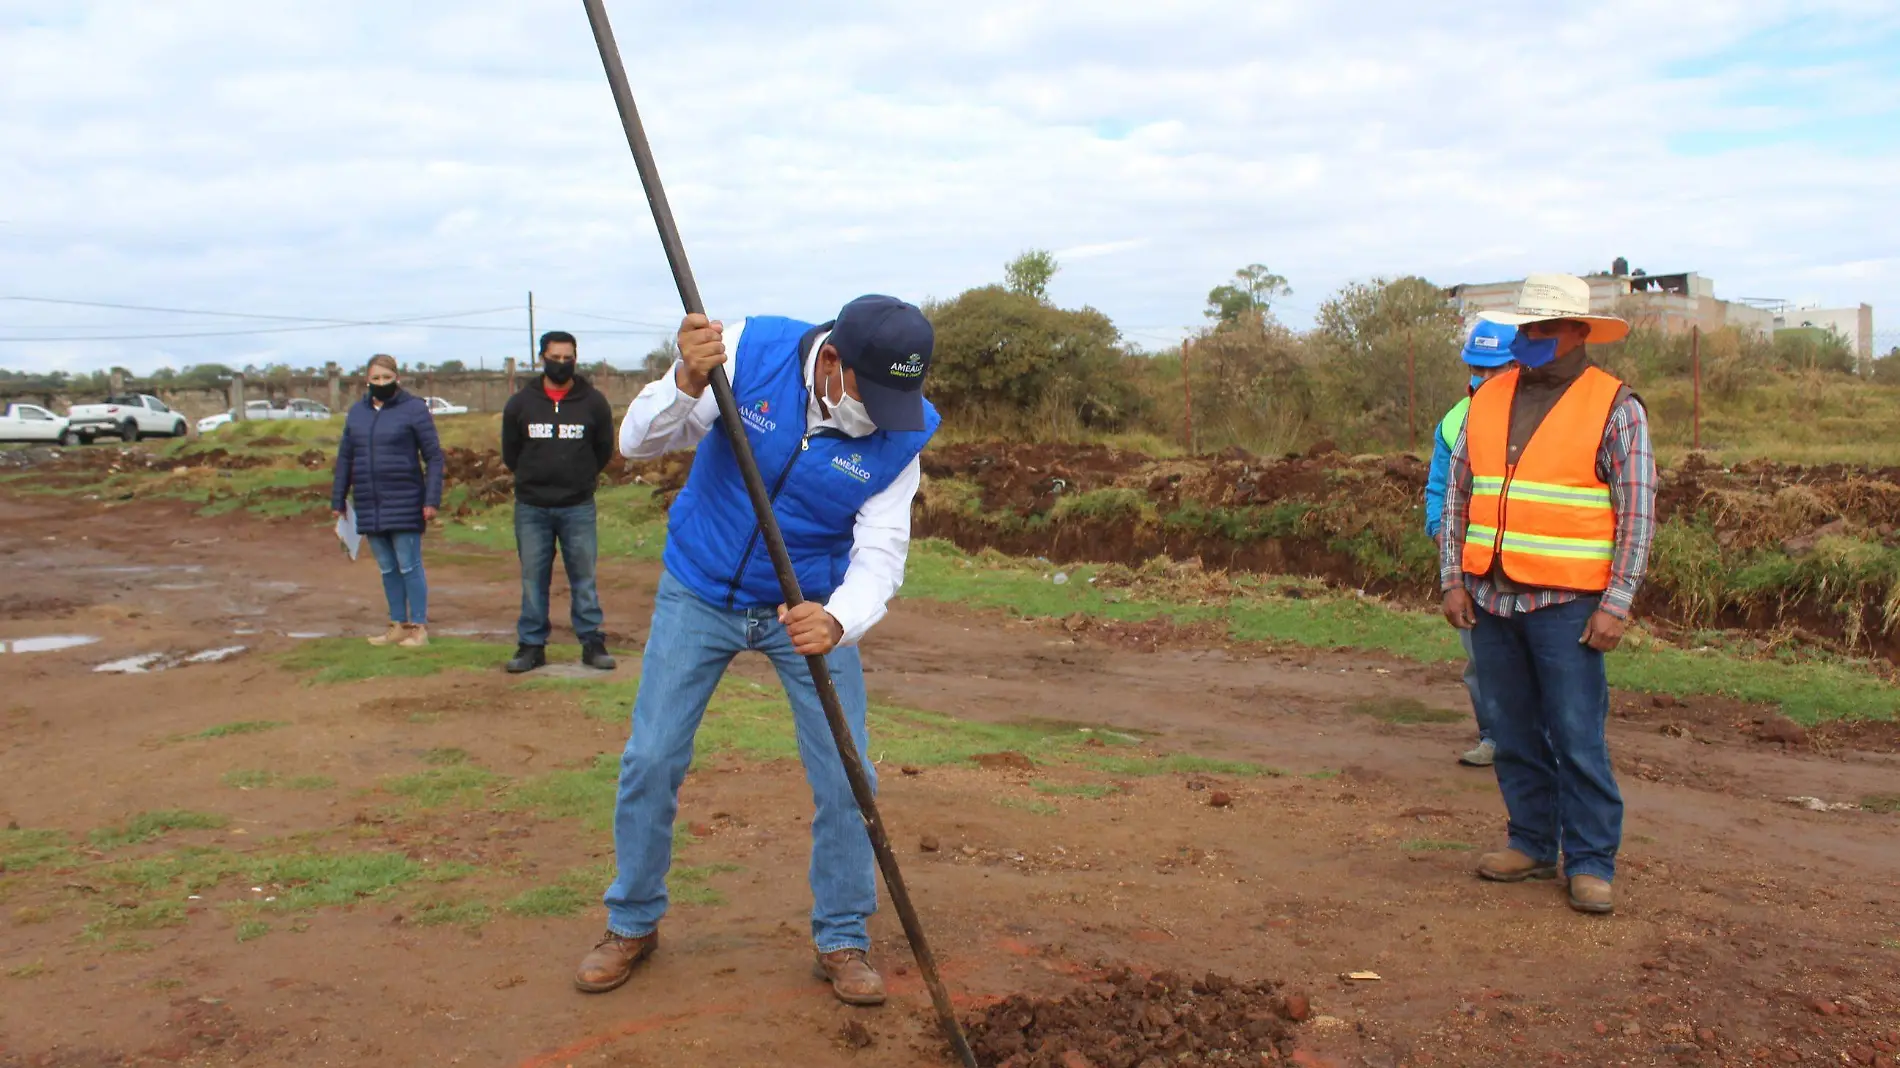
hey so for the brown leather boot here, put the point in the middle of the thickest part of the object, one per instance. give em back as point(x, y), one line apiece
point(1591, 894)
point(1510, 866)
point(612, 960)
point(393, 635)
point(851, 976)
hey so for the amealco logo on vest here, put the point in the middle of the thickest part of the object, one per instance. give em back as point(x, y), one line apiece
point(850, 466)
point(759, 417)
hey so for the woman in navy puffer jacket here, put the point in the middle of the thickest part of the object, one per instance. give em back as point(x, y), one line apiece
point(390, 464)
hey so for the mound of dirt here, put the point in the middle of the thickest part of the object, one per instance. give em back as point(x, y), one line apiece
point(271, 441)
point(1131, 1021)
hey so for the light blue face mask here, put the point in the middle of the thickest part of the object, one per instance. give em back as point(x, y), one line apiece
point(1529, 353)
point(1476, 381)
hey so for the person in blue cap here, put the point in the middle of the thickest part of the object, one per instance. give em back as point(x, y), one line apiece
point(836, 417)
point(1488, 353)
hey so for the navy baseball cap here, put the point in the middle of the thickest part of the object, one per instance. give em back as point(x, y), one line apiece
point(888, 344)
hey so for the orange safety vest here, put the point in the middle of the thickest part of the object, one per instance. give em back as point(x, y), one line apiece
point(1548, 517)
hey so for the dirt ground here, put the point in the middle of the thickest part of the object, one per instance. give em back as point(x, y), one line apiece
point(1749, 930)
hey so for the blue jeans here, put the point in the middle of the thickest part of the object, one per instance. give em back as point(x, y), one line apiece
point(1479, 709)
point(1550, 707)
point(687, 651)
point(405, 586)
point(537, 532)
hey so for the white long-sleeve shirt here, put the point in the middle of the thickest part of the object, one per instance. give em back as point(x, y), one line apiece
point(662, 419)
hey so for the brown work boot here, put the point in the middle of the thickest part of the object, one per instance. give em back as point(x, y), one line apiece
point(1591, 894)
point(851, 976)
point(612, 961)
point(415, 635)
point(1510, 866)
point(389, 637)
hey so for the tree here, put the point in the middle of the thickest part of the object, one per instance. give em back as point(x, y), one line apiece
point(1252, 291)
point(1029, 274)
point(1015, 358)
point(660, 359)
point(452, 367)
point(1365, 336)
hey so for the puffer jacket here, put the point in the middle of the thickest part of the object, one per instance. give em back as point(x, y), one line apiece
point(389, 463)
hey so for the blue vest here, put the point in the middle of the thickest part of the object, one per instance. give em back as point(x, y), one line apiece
point(817, 483)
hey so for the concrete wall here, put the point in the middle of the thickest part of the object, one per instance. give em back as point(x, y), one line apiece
point(1855, 324)
point(480, 392)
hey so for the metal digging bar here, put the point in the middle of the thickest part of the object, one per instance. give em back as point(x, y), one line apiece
point(774, 542)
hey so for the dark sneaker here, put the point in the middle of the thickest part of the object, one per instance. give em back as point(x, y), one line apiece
point(853, 980)
point(612, 960)
point(594, 654)
point(527, 658)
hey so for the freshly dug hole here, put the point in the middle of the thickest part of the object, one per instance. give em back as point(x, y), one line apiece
point(1126, 1020)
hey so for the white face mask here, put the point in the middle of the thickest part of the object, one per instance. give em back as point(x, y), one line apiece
point(848, 411)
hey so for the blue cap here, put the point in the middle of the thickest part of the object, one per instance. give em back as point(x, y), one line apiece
point(887, 343)
point(1489, 344)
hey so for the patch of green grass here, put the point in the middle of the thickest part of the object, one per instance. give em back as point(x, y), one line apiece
point(1881, 802)
point(456, 783)
point(445, 757)
point(576, 891)
point(1176, 764)
point(1406, 710)
point(1093, 791)
point(1809, 690)
point(1436, 845)
point(177, 872)
point(1039, 808)
point(149, 825)
point(249, 779)
point(336, 660)
point(690, 885)
point(24, 849)
point(310, 782)
point(323, 880)
point(166, 983)
point(228, 730)
point(630, 524)
point(468, 914)
point(146, 916)
point(250, 929)
point(1322, 774)
point(27, 971)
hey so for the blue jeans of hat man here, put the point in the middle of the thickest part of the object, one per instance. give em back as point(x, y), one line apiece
point(687, 651)
point(1550, 703)
point(405, 585)
point(538, 532)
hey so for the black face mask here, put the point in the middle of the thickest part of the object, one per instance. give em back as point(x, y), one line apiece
point(384, 392)
point(559, 372)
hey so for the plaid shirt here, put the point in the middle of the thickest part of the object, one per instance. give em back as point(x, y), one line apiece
point(1625, 462)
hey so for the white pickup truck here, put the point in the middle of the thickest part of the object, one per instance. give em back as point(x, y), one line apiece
point(262, 410)
point(129, 417)
point(30, 422)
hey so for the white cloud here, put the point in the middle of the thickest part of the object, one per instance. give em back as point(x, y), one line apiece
point(362, 160)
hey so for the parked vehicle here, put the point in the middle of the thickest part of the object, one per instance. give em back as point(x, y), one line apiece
point(129, 417)
point(30, 422)
point(439, 407)
point(261, 409)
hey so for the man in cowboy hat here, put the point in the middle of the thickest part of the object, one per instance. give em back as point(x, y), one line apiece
point(1549, 514)
point(1487, 354)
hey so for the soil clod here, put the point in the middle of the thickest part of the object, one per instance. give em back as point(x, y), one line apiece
point(1128, 1020)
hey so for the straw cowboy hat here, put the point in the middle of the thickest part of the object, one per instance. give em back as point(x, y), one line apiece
point(1559, 296)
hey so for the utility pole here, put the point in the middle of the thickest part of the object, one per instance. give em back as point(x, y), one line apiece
point(1187, 395)
point(1695, 371)
point(531, 333)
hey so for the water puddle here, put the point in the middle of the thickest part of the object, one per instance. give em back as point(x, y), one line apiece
point(149, 663)
point(306, 635)
point(47, 643)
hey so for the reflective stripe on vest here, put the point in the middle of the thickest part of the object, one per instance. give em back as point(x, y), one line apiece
point(1548, 519)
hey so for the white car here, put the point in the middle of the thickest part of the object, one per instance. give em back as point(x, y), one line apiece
point(261, 409)
point(30, 422)
point(131, 417)
point(439, 407)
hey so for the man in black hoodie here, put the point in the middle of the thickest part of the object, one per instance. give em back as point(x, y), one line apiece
point(556, 435)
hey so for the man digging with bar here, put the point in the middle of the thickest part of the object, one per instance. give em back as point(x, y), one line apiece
point(1549, 513)
point(836, 417)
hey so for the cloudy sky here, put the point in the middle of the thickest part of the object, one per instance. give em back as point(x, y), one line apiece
point(359, 161)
